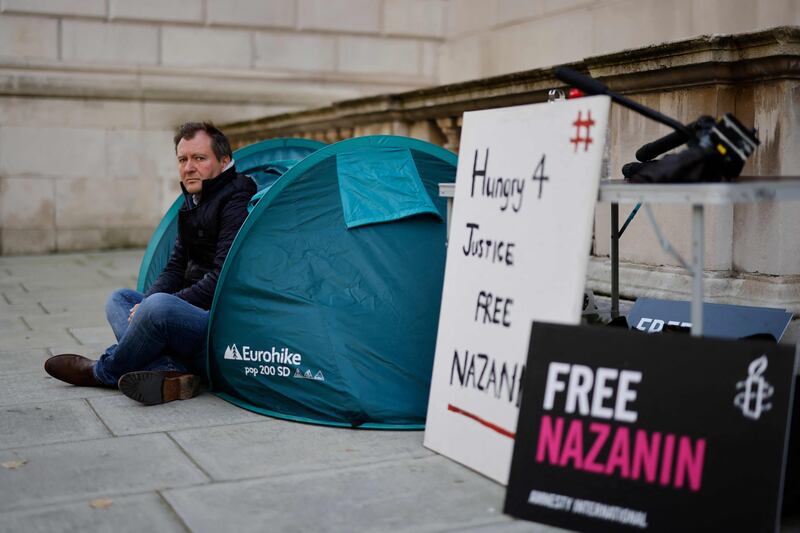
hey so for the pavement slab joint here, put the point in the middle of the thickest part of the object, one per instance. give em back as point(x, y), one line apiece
point(167, 505)
point(25, 323)
point(189, 456)
point(99, 418)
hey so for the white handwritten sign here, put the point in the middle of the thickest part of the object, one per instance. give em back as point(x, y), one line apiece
point(520, 239)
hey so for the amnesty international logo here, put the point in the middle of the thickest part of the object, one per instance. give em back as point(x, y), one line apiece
point(752, 401)
point(232, 352)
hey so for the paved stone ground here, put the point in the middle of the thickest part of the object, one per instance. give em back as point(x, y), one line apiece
point(85, 459)
point(92, 460)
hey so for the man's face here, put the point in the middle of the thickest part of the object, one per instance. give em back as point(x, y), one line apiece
point(197, 162)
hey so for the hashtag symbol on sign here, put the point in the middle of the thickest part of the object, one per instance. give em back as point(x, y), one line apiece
point(583, 126)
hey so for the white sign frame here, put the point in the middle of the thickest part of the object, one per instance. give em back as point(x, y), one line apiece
point(542, 166)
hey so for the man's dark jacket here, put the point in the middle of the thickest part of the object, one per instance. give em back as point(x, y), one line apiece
point(205, 234)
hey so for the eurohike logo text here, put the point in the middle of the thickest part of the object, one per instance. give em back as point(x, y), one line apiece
point(282, 356)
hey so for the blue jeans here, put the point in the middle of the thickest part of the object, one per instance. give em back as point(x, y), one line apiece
point(166, 333)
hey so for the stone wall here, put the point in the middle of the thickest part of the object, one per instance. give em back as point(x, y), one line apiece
point(752, 251)
point(91, 90)
point(487, 38)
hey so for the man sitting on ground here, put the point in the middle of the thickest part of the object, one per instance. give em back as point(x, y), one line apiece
point(159, 355)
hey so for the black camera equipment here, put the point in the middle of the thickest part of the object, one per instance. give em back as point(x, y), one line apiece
point(715, 150)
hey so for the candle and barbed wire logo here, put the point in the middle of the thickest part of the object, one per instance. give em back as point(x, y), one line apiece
point(752, 400)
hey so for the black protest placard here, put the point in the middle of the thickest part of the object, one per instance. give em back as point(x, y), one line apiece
point(719, 320)
point(619, 430)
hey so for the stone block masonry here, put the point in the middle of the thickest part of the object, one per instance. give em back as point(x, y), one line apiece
point(118, 75)
point(90, 91)
point(118, 44)
point(752, 252)
point(24, 37)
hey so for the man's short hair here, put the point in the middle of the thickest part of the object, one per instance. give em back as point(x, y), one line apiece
point(219, 142)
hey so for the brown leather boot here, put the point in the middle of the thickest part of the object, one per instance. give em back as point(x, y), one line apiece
point(153, 388)
point(73, 369)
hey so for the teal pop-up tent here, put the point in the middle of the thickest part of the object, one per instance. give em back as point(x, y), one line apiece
point(327, 307)
point(264, 161)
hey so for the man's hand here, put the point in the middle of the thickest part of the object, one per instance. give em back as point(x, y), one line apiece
point(133, 312)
